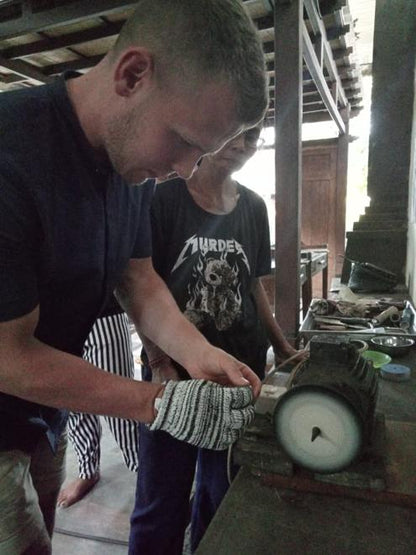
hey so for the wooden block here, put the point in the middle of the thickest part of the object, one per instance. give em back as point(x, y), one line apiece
point(399, 455)
point(269, 395)
point(260, 457)
point(258, 449)
point(300, 482)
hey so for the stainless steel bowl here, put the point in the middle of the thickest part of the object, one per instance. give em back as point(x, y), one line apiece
point(393, 345)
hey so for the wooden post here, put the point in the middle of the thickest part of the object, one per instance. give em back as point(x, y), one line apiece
point(288, 156)
point(341, 196)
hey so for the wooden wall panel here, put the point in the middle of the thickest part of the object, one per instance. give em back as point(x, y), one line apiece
point(320, 220)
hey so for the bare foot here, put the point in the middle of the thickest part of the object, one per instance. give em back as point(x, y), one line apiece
point(76, 490)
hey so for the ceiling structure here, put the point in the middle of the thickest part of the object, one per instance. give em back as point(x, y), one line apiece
point(39, 39)
point(363, 14)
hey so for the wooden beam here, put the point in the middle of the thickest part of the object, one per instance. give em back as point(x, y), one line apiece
point(288, 120)
point(264, 22)
point(314, 117)
point(342, 53)
point(9, 78)
point(25, 70)
point(309, 97)
point(313, 109)
point(337, 31)
point(313, 104)
point(268, 47)
point(348, 72)
point(309, 88)
point(76, 65)
point(258, 8)
point(329, 63)
point(316, 72)
point(64, 41)
point(34, 19)
point(351, 83)
point(329, 6)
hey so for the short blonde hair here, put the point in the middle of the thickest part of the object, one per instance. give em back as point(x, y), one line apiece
point(195, 41)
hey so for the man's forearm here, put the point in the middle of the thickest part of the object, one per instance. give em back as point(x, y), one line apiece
point(157, 316)
point(147, 300)
point(44, 375)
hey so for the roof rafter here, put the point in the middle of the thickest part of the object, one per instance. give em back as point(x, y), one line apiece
point(33, 20)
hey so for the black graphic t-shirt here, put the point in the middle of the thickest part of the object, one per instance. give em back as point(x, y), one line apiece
point(210, 262)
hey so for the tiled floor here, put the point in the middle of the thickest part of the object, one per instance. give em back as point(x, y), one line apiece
point(99, 524)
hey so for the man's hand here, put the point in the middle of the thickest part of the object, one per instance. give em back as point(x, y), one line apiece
point(218, 366)
point(203, 413)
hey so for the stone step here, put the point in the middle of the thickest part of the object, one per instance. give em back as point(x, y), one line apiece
point(377, 234)
point(394, 198)
point(385, 209)
point(366, 225)
point(388, 214)
point(389, 221)
point(386, 217)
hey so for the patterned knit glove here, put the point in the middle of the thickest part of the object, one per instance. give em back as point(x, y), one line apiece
point(204, 414)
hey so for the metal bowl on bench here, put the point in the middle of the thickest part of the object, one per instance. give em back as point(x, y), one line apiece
point(393, 345)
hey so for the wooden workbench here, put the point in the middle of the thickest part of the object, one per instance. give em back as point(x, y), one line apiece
point(259, 519)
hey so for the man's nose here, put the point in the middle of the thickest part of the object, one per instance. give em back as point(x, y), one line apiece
point(186, 167)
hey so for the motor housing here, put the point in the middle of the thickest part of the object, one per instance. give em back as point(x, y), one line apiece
point(327, 415)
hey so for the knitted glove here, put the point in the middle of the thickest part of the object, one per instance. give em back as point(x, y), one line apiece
point(204, 414)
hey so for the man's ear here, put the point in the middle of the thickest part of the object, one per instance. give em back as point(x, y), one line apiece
point(134, 68)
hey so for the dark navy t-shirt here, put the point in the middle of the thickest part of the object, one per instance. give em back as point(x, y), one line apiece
point(68, 227)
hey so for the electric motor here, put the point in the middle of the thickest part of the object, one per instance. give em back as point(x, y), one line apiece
point(327, 415)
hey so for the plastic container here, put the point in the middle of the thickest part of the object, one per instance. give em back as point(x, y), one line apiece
point(395, 372)
point(377, 358)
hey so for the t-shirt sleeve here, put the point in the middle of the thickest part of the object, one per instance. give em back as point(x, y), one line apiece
point(19, 245)
point(264, 255)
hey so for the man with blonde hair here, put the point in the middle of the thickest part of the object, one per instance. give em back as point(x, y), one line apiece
point(183, 78)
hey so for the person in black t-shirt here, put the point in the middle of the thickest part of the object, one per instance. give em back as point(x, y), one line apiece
point(182, 78)
point(211, 245)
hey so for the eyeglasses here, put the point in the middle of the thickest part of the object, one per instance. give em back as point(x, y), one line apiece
point(252, 139)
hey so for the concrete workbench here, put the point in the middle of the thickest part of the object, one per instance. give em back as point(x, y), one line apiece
point(259, 519)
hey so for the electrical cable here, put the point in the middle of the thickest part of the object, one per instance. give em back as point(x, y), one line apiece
point(275, 370)
point(295, 369)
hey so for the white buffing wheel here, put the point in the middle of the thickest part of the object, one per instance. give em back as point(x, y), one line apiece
point(318, 429)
